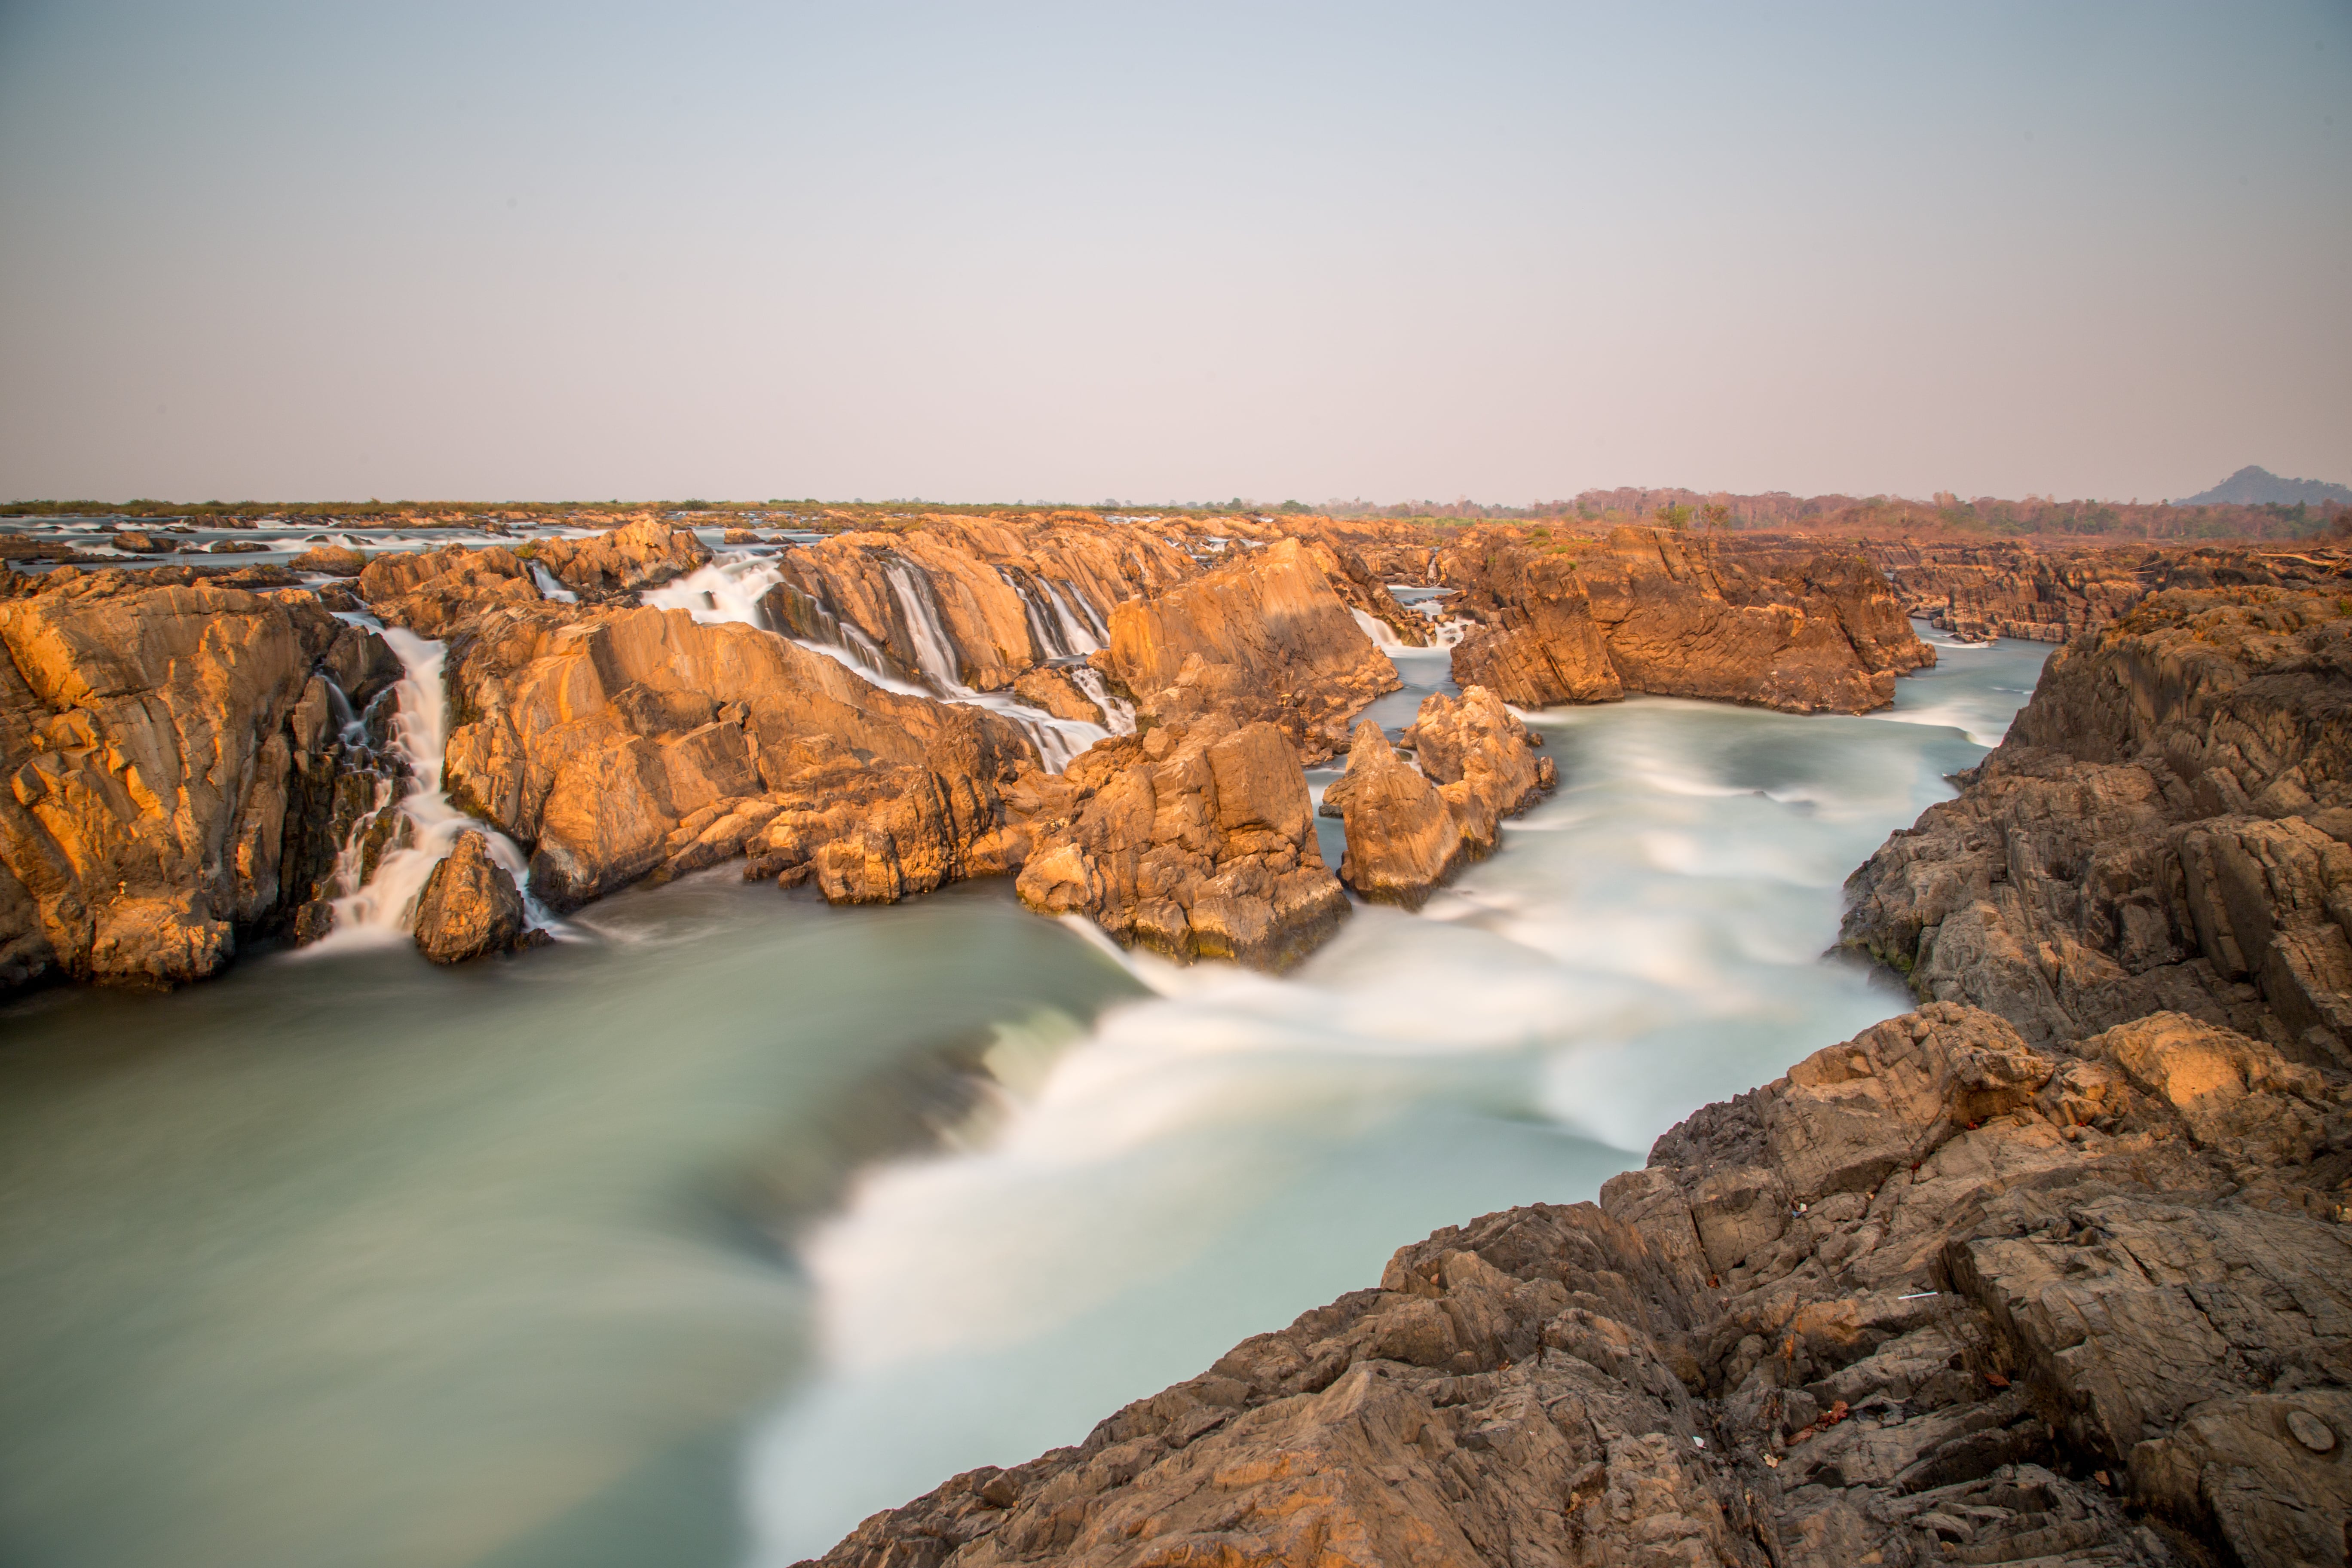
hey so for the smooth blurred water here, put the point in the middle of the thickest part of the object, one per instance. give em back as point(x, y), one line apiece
point(1214, 1160)
point(569, 1259)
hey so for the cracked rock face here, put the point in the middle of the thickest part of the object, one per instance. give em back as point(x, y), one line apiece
point(1198, 842)
point(1780, 624)
point(167, 738)
point(2163, 829)
point(1905, 1304)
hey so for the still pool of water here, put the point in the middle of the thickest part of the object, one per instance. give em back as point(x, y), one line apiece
point(697, 1239)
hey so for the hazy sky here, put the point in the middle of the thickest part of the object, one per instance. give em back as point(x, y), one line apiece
point(1171, 252)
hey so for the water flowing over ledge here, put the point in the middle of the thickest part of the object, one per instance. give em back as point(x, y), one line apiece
point(1215, 1159)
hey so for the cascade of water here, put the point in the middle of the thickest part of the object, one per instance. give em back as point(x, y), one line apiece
point(1118, 710)
point(1384, 638)
point(730, 588)
point(1044, 635)
point(1082, 638)
point(549, 588)
point(384, 909)
point(934, 651)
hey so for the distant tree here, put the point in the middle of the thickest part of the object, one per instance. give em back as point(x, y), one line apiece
point(1714, 515)
point(1290, 506)
point(1675, 515)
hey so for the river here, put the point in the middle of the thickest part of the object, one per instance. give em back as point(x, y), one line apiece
point(697, 1237)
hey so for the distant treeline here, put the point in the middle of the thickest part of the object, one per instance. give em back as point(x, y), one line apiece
point(1839, 516)
point(1860, 516)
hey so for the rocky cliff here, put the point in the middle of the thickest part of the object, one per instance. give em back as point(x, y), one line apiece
point(174, 752)
point(2163, 828)
point(2061, 1278)
point(1984, 591)
point(1777, 624)
point(977, 602)
point(1263, 639)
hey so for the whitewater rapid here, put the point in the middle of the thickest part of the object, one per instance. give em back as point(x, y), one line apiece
point(1205, 1163)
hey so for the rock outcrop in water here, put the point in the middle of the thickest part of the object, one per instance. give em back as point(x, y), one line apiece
point(1780, 625)
point(1410, 828)
point(470, 906)
point(1198, 842)
point(1265, 639)
point(622, 560)
point(171, 748)
point(2163, 828)
point(620, 742)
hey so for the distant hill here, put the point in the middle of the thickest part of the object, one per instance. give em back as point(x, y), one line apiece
point(2260, 487)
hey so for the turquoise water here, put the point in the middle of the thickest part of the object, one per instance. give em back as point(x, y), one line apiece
point(703, 1235)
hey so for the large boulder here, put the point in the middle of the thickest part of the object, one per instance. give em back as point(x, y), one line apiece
point(470, 906)
point(1265, 639)
point(1198, 842)
point(1403, 838)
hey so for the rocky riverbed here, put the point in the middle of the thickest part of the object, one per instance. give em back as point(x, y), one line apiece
point(2051, 1268)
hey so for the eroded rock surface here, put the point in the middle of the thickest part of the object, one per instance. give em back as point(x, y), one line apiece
point(1198, 842)
point(1265, 639)
point(1984, 591)
point(1778, 623)
point(168, 745)
point(1934, 1296)
point(2162, 829)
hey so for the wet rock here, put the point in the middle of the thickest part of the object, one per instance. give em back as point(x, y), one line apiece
point(1403, 839)
point(139, 542)
point(235, 547)
point(469, 905)
point(1198, 842)
point(430, 592)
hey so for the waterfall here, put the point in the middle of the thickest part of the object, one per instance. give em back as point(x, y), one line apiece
point(1048, 638)
point(935, 653)
point(1118, 710)
point(730, 588)
point(1082, 639)
point(549, 588)
point(386, 909)
point(1383, 636)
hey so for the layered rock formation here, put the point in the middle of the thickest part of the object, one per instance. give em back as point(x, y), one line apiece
point(620, 742)
point(1198, 842)
point(622, 560)
point(1984, 591)
point(171, 747)
point(2162, 828)
point(1410, 828)
point(1771, 623)
point(1265, 639)
point(469, 905)
point(1934, 1296)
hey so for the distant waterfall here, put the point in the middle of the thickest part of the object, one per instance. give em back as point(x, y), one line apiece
point(731, 589)
point(386, 909)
